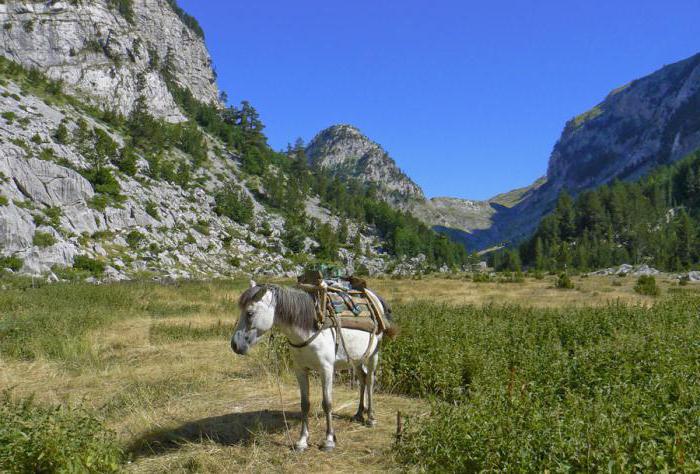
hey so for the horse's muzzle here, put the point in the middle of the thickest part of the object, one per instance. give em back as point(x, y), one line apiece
point(239, 343)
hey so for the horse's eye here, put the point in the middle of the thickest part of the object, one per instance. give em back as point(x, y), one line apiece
point(249, 314)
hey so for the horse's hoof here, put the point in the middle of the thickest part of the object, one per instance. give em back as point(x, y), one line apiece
point(358, 418)
point(371, 422)
point(300, 448)
point(327, 446)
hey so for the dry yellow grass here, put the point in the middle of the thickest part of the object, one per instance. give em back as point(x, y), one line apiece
point(539, 293)
point(193, 406)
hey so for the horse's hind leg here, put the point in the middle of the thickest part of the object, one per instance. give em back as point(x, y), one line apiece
point(362, 378)
point(303, 379)
point(327, 382)
point(372, 363)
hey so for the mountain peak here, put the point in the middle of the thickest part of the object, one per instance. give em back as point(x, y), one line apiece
point(347, 153)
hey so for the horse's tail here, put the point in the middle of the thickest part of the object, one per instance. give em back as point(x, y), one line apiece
point(392, 331)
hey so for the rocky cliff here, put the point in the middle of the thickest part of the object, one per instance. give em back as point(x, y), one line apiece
point(637, 127)
point(346, 152)
point(110, 52)
point(650, 121)
point(87, 193)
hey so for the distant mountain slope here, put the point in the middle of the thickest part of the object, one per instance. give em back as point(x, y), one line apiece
point(346, 152)
point(650, 121)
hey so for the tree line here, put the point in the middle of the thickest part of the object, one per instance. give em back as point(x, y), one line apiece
point(655, 220)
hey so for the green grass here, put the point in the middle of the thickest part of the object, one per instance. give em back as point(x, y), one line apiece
point(525, 390)
point(160, 333)
point(52, 321)
point(35, 438)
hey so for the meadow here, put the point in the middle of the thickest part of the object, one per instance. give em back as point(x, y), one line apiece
point(487, 376)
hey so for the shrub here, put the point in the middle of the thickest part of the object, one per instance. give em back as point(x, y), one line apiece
point(234, 203)
point(124, 7)
point(524, 390)
point(11, 263)
point(60, 135)
point(481, 278)
point(152, 210)
point(134, 239)
point(43, 239)
point(9, 116)
point(35, 438)
point(202, 227)
point(564, 282)
point(95, 267)
point(3, 200)
point(126, 161)
point(646, 285)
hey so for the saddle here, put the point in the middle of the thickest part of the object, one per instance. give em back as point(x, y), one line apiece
point(346, 302)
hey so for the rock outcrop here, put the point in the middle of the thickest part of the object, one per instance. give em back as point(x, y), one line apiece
point(346, 152)
point(109, 54)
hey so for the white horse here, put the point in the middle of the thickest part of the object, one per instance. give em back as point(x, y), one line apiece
point(292, 311)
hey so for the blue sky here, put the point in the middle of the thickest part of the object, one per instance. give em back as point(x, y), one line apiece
point(468, 97)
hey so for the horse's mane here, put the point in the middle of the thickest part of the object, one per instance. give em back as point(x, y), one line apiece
point(292, 307)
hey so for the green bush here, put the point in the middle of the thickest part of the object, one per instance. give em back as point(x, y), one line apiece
point(234, 203)
point(134, 239)
point(9, 117)
point(646, 285)
point(11, 263)
point(152, 210)
point(3, 200)
point(564, 282)
point(60, 135)
point(35, 438)
point(43, 239)
point(481, 278)
point(95, 267)
point(527, 390)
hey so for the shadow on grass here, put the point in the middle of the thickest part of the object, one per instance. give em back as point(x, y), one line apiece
point(226, 430)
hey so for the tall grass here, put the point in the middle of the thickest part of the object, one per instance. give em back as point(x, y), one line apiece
point(517, 389)
point(34, 438)
point(52, 321)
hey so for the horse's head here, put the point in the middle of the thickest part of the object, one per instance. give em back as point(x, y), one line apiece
point(257, 316)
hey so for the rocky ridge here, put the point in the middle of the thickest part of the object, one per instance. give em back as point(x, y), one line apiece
point(108, 56)
point(346, 152)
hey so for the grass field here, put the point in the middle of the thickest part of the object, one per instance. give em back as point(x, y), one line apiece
point(153, 364)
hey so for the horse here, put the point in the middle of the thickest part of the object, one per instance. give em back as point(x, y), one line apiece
point(292, 311)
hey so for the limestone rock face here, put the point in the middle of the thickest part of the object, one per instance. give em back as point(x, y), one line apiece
point(650, 121)
point(103, 56)
point(637, 127)
point(346, 152)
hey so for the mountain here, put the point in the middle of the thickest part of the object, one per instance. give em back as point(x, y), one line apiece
point(649, 122)
point(117, 159)
point(345, 152)
point(112, 52)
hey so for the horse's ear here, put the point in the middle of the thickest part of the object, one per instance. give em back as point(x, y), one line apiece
point(252, 283)
point(260, 294)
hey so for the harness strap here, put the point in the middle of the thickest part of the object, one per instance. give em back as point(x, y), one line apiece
point(326, 324)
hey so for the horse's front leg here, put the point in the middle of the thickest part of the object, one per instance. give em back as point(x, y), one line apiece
point(303, 379)
point(327, 382)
